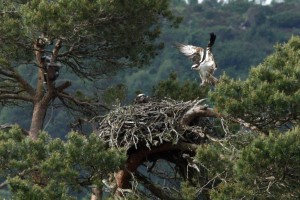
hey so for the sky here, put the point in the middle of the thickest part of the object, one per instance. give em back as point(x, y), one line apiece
point(264, 2)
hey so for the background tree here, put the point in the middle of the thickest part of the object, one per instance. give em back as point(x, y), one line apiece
point(246, 34)
point(90, 39)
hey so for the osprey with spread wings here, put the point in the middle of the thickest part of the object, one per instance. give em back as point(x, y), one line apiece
point(203, 60)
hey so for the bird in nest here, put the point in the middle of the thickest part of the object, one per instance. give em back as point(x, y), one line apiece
point(203, 60)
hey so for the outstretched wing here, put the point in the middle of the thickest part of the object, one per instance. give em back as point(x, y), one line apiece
point(192, 52)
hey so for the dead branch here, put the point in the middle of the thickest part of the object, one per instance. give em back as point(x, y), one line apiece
point(156, 122)
point(198, 111)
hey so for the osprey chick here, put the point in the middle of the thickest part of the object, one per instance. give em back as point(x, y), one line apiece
point(141, 98)
point(203, 60)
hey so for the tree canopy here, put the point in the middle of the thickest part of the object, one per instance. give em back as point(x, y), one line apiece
point(269, 98)
point(241, 142)
point(89, 39)
point(52, 168)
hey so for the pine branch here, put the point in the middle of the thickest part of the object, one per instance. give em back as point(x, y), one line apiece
point(15, 97)
point(196, 112)
point(11, 73)
point(6, 73)
point(63, 86)
point(24, 83)
point(78, 105)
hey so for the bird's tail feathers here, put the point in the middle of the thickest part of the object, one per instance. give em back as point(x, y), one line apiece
point(212, 40)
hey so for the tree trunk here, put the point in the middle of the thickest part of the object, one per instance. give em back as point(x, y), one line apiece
point(37, 121)
point(39, 107)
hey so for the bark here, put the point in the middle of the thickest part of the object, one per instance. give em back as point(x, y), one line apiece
point(41, 97)
point(37, 121)
point(134, 160)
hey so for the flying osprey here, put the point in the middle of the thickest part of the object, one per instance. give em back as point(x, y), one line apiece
point(203, 60)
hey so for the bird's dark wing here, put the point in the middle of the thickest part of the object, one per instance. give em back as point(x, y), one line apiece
point(192, 52)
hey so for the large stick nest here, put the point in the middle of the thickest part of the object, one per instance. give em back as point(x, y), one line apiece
point(153, 123)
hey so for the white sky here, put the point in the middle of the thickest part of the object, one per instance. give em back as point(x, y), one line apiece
point(265, 2)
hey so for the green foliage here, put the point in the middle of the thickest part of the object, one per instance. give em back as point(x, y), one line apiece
point(96, 38)
point(236, 49)
point(269, 97)
point(232, 191)
point(253, 167)
point(174, 89)
point(285, 20)
point(115, 94)
point(107, 35)
point(188, 191)
point(54, 169)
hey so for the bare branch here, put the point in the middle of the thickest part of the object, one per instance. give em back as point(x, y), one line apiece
point(89, 107)
point(71, 49)
point(16, 97)
point(6, 73)
point(11, 73)
point(4, 184)
point(196, 112)
point(63, 86)
point(24, 83)
point(56, 50)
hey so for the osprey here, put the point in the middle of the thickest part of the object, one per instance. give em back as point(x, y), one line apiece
point(203, 60)
point(141, 98)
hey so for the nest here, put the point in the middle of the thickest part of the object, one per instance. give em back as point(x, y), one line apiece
point(153, 123)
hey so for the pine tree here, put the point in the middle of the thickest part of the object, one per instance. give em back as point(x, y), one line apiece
point(88, 38)
point(48, 168)
point(269, 98)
